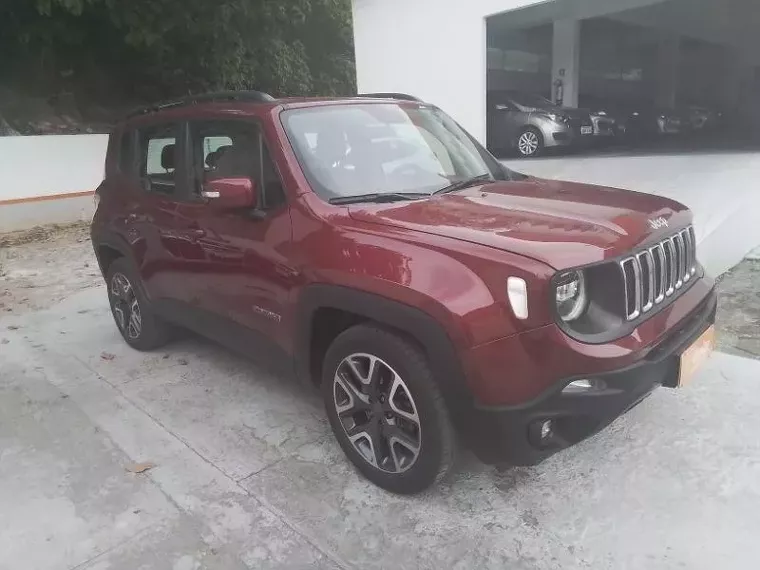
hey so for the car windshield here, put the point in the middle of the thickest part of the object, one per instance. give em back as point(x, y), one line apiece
point(531, 100)
point(382, 148)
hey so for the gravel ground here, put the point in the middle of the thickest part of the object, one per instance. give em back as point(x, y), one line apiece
point(739, 310)
point(41, 267)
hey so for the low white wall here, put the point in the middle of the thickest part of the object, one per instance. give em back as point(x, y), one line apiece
point(36, 166)
point(720, 188)
point(25, 215)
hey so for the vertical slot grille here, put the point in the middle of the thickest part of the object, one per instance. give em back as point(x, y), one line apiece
point(656, 273)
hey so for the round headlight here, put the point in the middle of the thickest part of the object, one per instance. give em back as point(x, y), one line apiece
point(571, 295)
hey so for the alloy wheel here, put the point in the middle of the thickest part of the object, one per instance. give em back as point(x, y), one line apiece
point(528, 143)
point(126, 308)
point(377, 412)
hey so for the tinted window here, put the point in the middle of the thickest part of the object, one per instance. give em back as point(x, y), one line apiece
point(159, 153)
point(232, 149)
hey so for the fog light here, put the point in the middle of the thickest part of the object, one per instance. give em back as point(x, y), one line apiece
point(541, 433)
point(546, 430)
point(585, 385)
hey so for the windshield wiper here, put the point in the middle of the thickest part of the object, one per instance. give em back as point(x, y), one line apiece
point(462, 184)
point(378, 197)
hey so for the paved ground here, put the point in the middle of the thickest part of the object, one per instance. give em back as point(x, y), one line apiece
point(246, 474)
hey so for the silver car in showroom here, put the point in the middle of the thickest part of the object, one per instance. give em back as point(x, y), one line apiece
point(530, 123)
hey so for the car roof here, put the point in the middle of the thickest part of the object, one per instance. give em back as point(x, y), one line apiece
point(252, 103)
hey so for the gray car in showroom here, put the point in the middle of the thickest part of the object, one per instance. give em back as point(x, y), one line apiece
point(529, 123)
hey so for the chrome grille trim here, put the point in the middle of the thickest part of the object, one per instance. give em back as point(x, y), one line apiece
point(658, 252)
point(693, 239)
point(658, 272)
point(679, 259)
point(646, 261)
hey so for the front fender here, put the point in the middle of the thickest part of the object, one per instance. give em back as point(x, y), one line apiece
point(439, 347)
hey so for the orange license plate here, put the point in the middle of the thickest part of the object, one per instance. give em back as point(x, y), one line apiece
point(695, 356)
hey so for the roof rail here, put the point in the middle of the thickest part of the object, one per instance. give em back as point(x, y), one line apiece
point(245, 96)
point(400, 96)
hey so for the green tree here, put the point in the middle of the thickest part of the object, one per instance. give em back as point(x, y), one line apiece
point(170, 47)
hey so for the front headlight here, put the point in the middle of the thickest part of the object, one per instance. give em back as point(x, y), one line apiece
point(571, 296)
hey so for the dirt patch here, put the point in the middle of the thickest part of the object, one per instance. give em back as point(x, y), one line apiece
point(42, 266)
point(53, 232)
point(739, 309)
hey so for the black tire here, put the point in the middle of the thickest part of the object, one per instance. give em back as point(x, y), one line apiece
point(436, 438)
point(153, 332)
point(538, 137)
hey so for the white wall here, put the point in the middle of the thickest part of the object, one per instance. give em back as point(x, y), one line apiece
point(34, 166)
point(434, 49)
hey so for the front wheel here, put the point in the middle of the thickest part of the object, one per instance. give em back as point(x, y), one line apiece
point(386, 411)
point(530, 143)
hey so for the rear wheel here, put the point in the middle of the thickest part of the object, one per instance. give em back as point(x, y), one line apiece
point(131, 310)
point(530, 142)
point(386, 410)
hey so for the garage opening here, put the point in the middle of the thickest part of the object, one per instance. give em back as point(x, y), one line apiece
point(629, 76)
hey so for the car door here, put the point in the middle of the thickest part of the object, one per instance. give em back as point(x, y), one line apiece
point(157, 184)
point(245, 277)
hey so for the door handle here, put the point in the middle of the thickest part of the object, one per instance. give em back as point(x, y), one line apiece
point(286, 271)
point(133, 218)
point(194, 234)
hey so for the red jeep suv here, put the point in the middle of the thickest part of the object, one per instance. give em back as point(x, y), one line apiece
point(428, 291)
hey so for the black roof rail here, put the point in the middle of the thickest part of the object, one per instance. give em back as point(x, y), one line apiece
point(244, 96)
point(399, 96)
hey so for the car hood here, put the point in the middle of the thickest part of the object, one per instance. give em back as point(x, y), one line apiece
point(562, 224)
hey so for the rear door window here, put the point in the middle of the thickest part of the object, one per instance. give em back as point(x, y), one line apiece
point(159, 159)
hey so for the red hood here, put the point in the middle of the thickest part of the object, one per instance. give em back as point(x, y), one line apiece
point(562, 224)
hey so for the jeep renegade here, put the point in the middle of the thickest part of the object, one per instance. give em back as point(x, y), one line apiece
point(430, 293)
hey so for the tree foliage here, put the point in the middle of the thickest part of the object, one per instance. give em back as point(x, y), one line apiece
point(288, 47)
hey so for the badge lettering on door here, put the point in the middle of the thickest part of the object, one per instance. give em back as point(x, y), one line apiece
point(266, 314)
point(657, 223)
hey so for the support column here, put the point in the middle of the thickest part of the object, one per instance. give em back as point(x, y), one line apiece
point(668, 61)
point(736, 81)
point(566, 60)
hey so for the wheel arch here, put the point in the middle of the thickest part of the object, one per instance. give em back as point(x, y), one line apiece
point(357, 307)
point(108, 249)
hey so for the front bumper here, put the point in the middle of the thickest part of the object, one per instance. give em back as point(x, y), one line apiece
point(557, 134)
point(512, 434)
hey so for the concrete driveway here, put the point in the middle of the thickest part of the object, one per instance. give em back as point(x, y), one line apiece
point(247, 475)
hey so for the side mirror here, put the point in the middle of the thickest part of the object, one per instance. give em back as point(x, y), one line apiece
point(231, 193)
